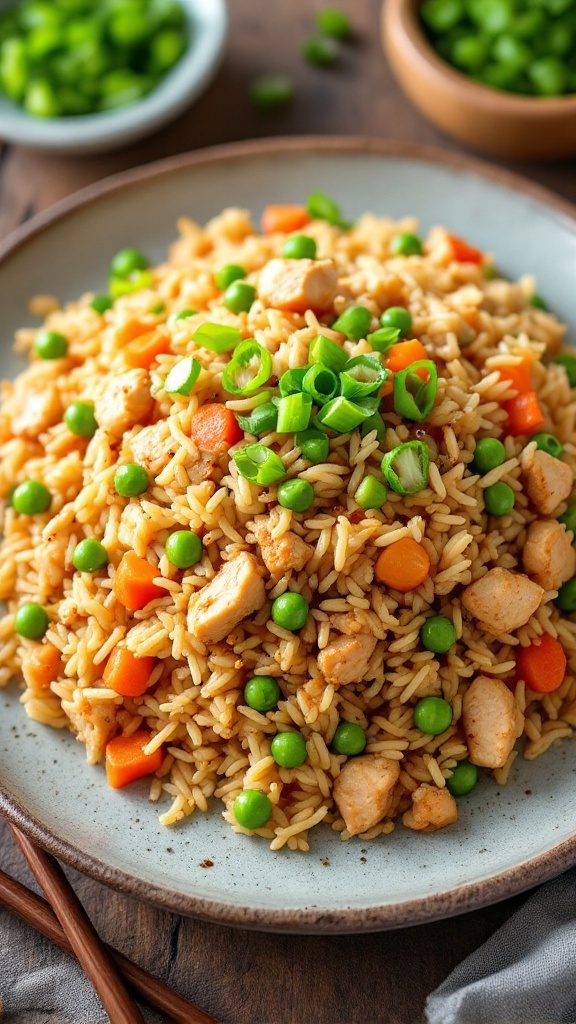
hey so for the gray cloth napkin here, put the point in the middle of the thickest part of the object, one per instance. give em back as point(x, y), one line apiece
point(525, 973)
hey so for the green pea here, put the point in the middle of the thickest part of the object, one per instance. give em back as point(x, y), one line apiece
point(262, 693)
point(271, 91)
point(470, 52)
point(31, 498)
point(538, 302)
point(491, 16)
point(183, 549)
point(289, 749)
point(252, 809)
point(227, 274)
point(296, 494)
point(559, 39)
point(41, 99)
point(569, 518)
point(569, 364)
point(398, 319)
point(239, 297)
point(354, 322)
point(31, 621)
point(371, 493)
point(299, 247)
point(90, 555)
point(101, 303)
point(566, 600)
point(529, 24)
point(499, 499)
point(438, 634)
point(131, 480)
point(406, 244)
point(120, 88)
point(349, 739)
point(51, 345)
point(463, 779)
point(432, 715)
point(14, 69)
point(80, 419)
point(166, 49)
point(511, 51)
point(313, 444)
point(331, 21)
point(127, 261)
point(490, 453)
point(548, 443)
point(442, 15)
point(320, 50)
point(290, 611)
point(548, 76)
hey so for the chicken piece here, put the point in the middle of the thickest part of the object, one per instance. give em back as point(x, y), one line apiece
point(432, 808)
point(363, 791)
point(502, 601)
point(136, 528)
point(94, 724)
point(153, 447)
point(41, 665)
point(492, 721)
point(38, 411)
point(236, 591)
point(51, 562)
point(350, 623)
point(548, 556)
point(345, 659)
point(548, 480)
point(284, 553)
point(298, 285)
point(125, 402)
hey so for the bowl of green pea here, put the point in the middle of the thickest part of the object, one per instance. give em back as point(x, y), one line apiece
point(82, 76)
point(499, 75)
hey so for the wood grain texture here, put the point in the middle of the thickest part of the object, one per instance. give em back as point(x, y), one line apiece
point(246, 977)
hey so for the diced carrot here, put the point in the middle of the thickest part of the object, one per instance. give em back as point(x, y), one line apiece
point(43, 665)
point(133, 584)
point(214, 428)
point(463, 252)
point(403, 353)
point(524, 414)
point(403, 565)
point(542, 665)
point(283, 218)
point(128, 674)
point(126, 760)
point(144, 350)
point(519, 376)
point(130, 330)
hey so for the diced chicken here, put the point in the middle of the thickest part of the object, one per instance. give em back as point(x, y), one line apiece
point(125, 402)
point(548, 480)
point(51, 562)
point(94, 724)
point(350, 623)
point(201, 469)
point(363, 791)
point(284, 553)
point(345, 659)
point(432, 808)
point(502, 601)
point(236, 591)
point(298, 285)
point(153, 447)
point(136, 528)
point(38, 411)
point(548, 555)
point(492, 721)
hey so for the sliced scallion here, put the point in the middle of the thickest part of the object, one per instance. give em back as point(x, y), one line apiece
point(383, 339)
point(294, 413)
point(290, 383)
point(376, 423)
point(217, 337)
point(261, 420)
point(320, 383)
point(371, 493)
point(363, 376)
point(324, 350)
point(259, 464)
point(406, 467)
point(353, 322)
point(249, 368)
point(183, 376)
point(342, 415)
point(414, 396)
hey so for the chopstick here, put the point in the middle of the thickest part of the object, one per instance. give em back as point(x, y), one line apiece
point(40, 915)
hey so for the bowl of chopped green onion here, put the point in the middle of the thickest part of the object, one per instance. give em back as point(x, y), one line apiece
point(81, 76)
point(500, 75)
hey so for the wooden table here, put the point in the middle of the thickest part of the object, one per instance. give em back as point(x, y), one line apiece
point(246, 977)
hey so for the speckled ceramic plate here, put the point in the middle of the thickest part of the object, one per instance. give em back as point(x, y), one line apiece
point(506, 839)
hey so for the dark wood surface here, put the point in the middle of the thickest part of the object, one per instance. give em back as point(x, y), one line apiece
point(246, 977)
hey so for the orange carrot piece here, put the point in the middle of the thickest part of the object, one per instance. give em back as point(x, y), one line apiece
point(403, 354)
point(463, 252)
point(144, 350)
point(126, 760)
point(127, 674)
point(133, 584)
point(283, 218)
point(524, 414)
point(130, 330)
point(43, 665)
point(403, 566)
point(542, 665)
point(214, 428)
point(518, 374)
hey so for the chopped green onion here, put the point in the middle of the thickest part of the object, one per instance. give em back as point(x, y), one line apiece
point(324, 350)
point(569, 363)
point(294, 413)
point(383, 339)
point(406, 467)
point(414, 397)
point(259, 465)
point(101, 303)
point(371, 493)
point(353, 322)
point(290, 383)
point(183, 376)
point(217, 337)
point(323, 207)
point(320, 383)
point(363, 376)
point(119, 286)
point(376, 423)
point(342, 415)
point(313, 444)
point(249, 368)
point(261, 420)
point(185, 313)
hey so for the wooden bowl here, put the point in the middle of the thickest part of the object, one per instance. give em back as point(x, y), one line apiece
point(500, 123)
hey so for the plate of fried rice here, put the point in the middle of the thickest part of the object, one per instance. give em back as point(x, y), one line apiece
point(288, 565)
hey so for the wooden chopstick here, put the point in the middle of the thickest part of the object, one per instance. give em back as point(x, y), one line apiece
point(40, 915)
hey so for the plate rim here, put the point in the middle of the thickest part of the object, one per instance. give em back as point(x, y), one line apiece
point(306, 919)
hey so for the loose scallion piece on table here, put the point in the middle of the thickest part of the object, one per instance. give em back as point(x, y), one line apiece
point(294, 413)
point(290, 382)
point(406, 467)
point(324, 350)
point(217, 337)
point(261, 420)
point(354, 322)
point(183, 376)
point(259, 465)
point(320, 383)
point(314, 445)
point(363, 376)
point(383, 339)
point(413, 396)
point(249, 368)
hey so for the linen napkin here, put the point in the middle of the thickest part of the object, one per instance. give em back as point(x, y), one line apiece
point(525, 973)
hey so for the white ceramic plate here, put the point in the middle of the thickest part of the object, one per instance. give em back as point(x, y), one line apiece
point(506, 839)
